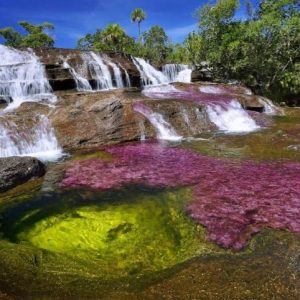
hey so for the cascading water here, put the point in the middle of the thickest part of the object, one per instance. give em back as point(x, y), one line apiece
point(100, 72)
point(99, 66)
point(149, 75)
point(269, 107)
point(231, 118)
point(177, 72)
point(81, 83)
point(128, 83)
point(222, 110)
point(40, 142)
point(164, 130)
point(22, 77)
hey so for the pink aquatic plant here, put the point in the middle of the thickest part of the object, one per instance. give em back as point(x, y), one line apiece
point(233, 200)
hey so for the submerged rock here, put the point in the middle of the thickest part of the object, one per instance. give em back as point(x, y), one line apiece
point(233, 200)
point(17, 170)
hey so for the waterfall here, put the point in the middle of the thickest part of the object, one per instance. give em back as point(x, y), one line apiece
point(99, 68)
point(40, 142)
point(22, 77)
point(82, 84)
point(269, 107)
point(128, 83)
point(164, 130)
point(100, 72)
point(149, 75)
point(177, 72)
point(142, 130)
point(117, 72)
point(231, 118)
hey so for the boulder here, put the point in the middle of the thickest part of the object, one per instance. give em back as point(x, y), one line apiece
point(17, 170)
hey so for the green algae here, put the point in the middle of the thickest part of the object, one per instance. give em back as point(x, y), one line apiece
point(123, 233)
point(93, 154)
point(138, 243)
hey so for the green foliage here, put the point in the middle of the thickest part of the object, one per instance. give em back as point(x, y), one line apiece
point(111, 38)
point(12, 37)
point(262, 52)
point(138, 15)
point(178, 54)
point(35, 37)
point(155, 45)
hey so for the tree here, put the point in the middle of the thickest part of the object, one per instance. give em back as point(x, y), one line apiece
point(261, 51)
point(156, 45)
point(178, 54)
point(35, 37)
point(111, 38)
point(12, 37)
point(138, 15)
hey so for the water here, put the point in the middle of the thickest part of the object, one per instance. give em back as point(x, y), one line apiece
point(100, 72)
point(128, 82)
point(40, 142)
point(269, 107)
point(165, 91)
point(149, 75)
point(177, 72)
point(231, 118)
point(117, 72)
point(228, 115)
point(22, 77)
point(82, 84)
point(165, 131)
point(138, 232)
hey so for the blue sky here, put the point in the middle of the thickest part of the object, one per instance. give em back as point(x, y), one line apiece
point(75, 18)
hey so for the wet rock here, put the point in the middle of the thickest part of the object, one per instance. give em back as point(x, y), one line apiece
point(294, 147)
point(5, 99)
point(17, 170)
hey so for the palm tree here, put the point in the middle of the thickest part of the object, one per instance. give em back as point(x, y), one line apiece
point(138, 15)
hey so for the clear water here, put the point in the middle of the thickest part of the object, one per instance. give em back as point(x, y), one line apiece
point(136, 238)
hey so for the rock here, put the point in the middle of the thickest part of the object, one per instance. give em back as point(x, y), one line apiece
point(294, 147)
point(5, 99)
point(60, 77)
point(17, 170)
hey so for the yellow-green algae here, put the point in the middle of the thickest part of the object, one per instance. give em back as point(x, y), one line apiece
point(92, 154)
point(133, 232)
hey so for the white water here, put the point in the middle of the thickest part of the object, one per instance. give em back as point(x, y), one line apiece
point(117, 72)
point(214, 89)
point(81, 83)
point(269, 107)
point(40, 143)
point(164, 130)
point(142, 130)
point(128, 83)
point(22, 77)
point(211, 89)
point(100, 72)
point(99, 66)
point(177, 72)
point(160, 91)
point(149, 75)
point(232, 118)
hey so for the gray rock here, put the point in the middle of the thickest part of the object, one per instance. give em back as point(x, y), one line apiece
point(17, 170)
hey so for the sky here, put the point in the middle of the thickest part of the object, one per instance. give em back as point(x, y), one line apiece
point(75, 18)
